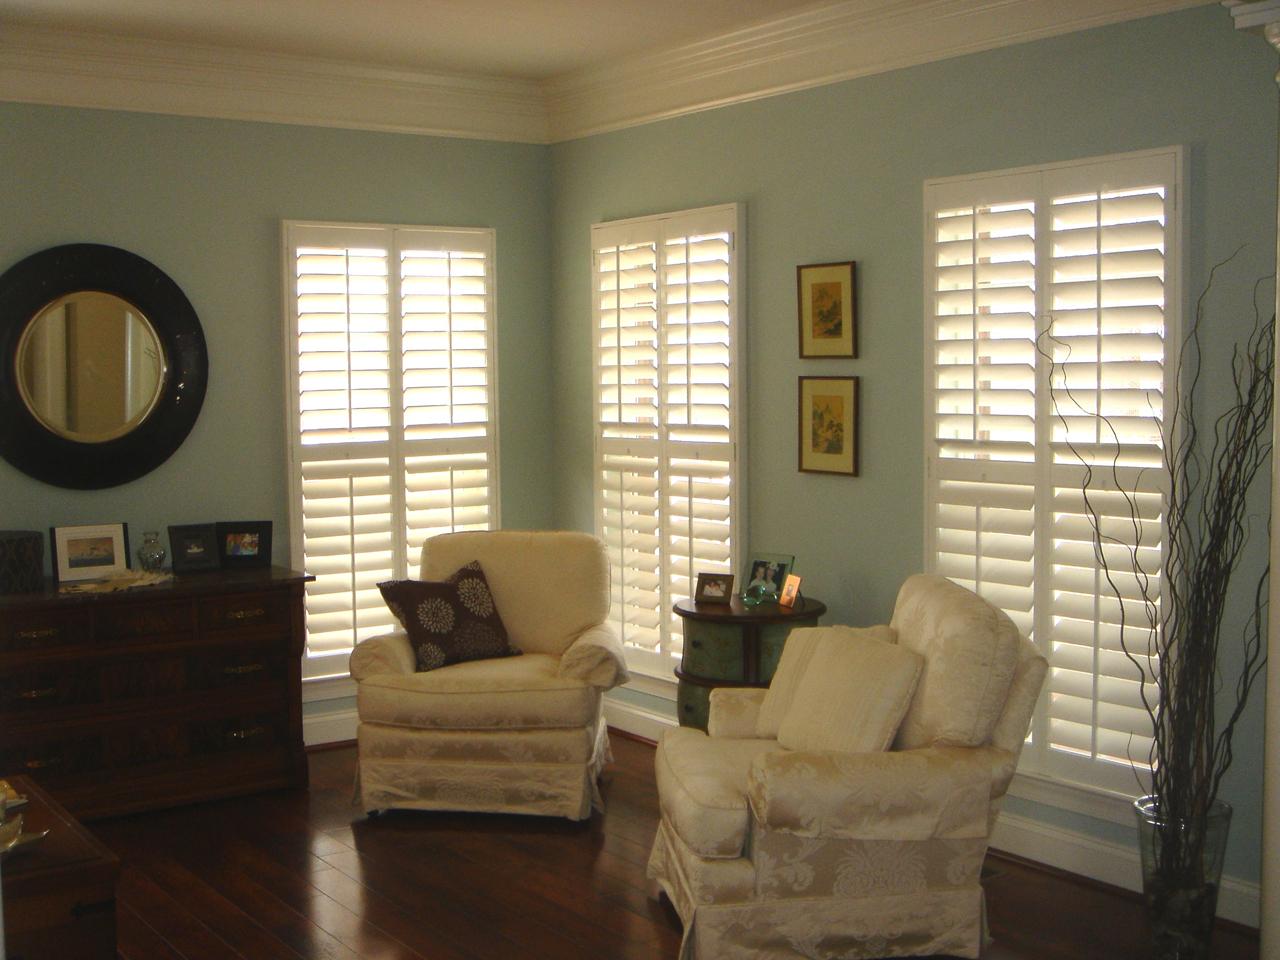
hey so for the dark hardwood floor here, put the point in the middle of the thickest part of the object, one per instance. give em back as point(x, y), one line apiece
point(294, 874)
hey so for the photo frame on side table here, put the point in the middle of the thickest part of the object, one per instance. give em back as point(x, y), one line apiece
point(244, 543)
point(89, 552)
point(194, 547)
point(714, 588)
point(826, 299)
point(765, 575)
point(790, 591)
point(828, 425)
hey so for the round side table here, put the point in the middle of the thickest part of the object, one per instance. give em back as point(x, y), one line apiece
point(732, 645)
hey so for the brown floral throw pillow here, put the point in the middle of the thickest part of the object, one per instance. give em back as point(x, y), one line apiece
point(449, 621)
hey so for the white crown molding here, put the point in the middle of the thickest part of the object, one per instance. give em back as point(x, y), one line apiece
point(841, 41)
point(1249, 15)
point(838, 41)
point(118, 73)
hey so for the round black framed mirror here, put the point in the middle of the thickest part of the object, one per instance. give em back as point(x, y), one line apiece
point(104, 366)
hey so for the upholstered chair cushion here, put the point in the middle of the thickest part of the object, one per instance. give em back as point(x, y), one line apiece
point(550, 586)
point(971, 651)
point(702, 785)
point(449, 621)
point(512, 693)
point(801, 644)
point(853, 695)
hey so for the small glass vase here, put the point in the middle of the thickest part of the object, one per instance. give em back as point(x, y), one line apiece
point(1181, 875)
point(151, 554)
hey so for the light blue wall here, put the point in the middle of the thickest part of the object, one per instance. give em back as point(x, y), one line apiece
point(203, 200)
point(837, 173)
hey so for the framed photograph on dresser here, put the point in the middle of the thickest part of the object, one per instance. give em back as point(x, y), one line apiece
point(90, 551)
point(194, 547)
point(244, 543)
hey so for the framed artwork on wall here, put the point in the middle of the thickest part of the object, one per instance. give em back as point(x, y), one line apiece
point(828, 425)
point(826, 299)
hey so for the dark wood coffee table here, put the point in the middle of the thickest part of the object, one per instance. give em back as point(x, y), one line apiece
point(59, 893)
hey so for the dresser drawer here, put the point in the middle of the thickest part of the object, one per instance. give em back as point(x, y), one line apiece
point(120, 624)
point(39, 629)
point(26, 690)
point(248, 611)
point(238, 666)
point(239, 734)
point(54, 756)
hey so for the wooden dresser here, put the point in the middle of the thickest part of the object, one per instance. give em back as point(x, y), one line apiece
point(156, 696)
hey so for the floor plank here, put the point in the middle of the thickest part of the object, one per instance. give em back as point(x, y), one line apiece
point(304, 875)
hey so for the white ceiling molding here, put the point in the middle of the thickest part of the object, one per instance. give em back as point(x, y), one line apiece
point(1255, 14)
point(838, 41)
point(115, 73)
point(812, 48)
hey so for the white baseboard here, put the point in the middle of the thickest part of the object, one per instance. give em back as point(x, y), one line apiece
point(1107, 862)
point(636, 720)
point(335, 727)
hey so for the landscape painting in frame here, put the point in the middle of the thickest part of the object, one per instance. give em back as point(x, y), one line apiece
point(828, 425)
point(826, 295)
point(90, 552)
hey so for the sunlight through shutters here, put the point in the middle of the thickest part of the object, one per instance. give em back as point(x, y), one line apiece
point(393, 432)
point(1070, 262)
point(667, 447)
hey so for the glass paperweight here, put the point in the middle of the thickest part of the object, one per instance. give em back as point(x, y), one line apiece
point(151, 554)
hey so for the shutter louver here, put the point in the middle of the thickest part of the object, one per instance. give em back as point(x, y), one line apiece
point(666, 442)
point(1050, 350)
point(393, 434)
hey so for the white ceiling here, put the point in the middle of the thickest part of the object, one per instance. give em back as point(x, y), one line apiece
point(536, 71)
point(518, 39)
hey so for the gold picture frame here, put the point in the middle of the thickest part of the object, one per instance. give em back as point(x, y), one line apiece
point(828, 425)
point(826, 301)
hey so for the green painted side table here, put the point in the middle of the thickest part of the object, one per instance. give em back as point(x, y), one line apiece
point(732, 645)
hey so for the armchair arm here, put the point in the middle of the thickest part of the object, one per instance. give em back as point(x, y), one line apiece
point(388, 653)
point(734, 711)
point(596, 658)
point(932, 792)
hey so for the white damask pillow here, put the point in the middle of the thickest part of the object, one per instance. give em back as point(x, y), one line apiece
point(852, 696)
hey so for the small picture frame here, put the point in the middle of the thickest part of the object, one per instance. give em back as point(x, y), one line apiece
point(828, 425)
point(244, 543)
point(765, 575)
point(714, 588)
point(826, 299)
point(89, 552)
point(790, 591)
point(194, 547)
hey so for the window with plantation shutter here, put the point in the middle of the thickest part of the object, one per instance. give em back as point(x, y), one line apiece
point(389, 347)
point(1051, 342)
point(665, 298)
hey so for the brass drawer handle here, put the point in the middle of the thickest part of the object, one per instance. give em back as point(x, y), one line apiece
point(247, 733)
point(41, 764)
point(40, 633)
point(252, 614)
point(38, 694)
point(240, 671)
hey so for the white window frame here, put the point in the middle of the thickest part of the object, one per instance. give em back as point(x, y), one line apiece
point(659, 662)
point(1045, 777)
point(404, 531)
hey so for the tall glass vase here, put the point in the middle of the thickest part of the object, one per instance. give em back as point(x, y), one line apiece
point(1181, 873)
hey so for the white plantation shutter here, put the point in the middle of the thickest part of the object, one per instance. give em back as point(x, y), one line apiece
point(665, 302)
point(390, 366)
point(1077, 261)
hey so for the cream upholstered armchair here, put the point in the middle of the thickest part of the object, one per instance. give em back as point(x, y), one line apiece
point(819, 850)
point(518, 734)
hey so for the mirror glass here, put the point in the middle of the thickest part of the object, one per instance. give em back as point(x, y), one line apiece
point(90, 366)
